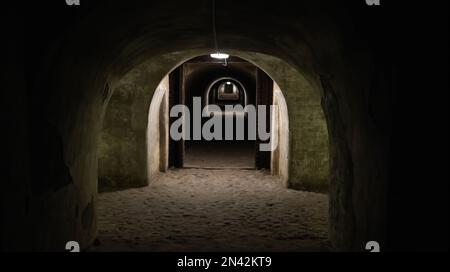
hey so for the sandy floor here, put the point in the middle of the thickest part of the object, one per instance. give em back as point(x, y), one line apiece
point(212, 210)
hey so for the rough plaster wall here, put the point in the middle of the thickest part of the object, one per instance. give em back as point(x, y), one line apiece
point(164, 129)
point(280, 121)
point(309, 156)
point(122, 144)
point(155, 139)
point(121, 164)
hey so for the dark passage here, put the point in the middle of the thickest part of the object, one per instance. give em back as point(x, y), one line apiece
point(220, 84)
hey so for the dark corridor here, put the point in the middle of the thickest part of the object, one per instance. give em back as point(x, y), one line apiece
point(363, 124)
point(207, 79)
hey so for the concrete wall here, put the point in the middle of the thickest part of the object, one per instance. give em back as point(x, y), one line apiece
point(122, 144)
point(123, 160)
point(280, 137)
point(120, 148)
point(308, 147)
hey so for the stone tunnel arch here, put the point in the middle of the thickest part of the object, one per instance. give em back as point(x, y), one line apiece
point(122, 155)
point(313, 39)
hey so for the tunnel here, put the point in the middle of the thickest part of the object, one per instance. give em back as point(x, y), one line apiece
point(216, 161)
point(92, 144)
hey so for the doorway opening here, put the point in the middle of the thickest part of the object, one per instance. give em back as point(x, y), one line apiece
point(236, 84)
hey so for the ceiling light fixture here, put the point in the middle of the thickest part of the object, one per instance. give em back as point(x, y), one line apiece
point(219, 55)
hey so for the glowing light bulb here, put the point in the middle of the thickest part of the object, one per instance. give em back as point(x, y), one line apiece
point(219, 55)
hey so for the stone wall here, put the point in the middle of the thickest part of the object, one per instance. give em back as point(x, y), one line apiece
point(308, 146)
point(123, 150)
point(121, 161)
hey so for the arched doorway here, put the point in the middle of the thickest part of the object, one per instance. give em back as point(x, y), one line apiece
point(227, 179)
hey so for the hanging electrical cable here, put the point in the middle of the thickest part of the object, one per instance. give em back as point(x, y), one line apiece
point(217, 54)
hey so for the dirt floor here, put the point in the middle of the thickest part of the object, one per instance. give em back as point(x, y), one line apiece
point(212, 210)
